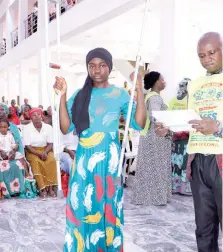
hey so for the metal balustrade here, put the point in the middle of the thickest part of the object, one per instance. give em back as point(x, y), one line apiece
point(65, 5)
point(31, 24)
point(3, 47)
point(14, 37)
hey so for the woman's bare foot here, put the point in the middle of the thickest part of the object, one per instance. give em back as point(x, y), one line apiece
point(43, 194)
point(51, 192)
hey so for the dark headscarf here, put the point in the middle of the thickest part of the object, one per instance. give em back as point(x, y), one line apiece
point(150, 79)
point(80, 114)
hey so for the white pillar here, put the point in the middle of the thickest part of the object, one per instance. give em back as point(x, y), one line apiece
point(9, 27)
point(41, 14)
point(42, 85)
point(12, 83)
point(23, 14)
point(23, 80)
point(165, 63)
point(3, 84)
point(8, 81)
point(1, 31)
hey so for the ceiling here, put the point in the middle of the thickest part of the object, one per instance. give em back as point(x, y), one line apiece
point(121, 34)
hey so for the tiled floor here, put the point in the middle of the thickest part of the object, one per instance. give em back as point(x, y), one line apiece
point(37, 226)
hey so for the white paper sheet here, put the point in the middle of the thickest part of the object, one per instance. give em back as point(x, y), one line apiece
point(176, 120)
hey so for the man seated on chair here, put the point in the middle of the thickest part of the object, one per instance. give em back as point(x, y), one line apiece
point(67, 156)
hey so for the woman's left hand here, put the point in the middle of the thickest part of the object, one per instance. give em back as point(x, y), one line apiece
point(161, 130)
point(44, 156)
point(205, 126)
point(138, 81)
point(12, 155)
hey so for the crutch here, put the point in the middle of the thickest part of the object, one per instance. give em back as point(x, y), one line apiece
point(56, 95)
point(138, 58)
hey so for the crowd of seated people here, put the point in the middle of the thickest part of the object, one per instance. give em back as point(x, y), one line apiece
point(27, 163)
point(28, 167)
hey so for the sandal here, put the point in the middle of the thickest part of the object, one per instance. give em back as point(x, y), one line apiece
point(43, 195)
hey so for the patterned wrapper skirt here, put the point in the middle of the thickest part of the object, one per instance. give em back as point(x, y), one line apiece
point(44, 172)
point(12, 178)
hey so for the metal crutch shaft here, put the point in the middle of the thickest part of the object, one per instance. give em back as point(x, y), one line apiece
point(138, 58)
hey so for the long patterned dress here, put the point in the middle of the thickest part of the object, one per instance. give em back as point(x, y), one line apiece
point(94, 206)
point(152, 184)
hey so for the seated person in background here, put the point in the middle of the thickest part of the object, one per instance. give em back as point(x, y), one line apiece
point(15, 106)
point(4, 112)
point(38, 140)
point(25, 118)
point(26, 104)
point(13, 117)
point(44, 111)
point(48, 120)
point(8, 144)
point(48, 117)
point(70, 142)
point(12, 164)
point(49, 111)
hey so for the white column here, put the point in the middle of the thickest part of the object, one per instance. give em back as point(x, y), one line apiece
point(8, 82)
point(41, 14)
point(12, 83)
point(3, 86)
point(42, 85)
point(23, 80)
point(9, 27)
point(23, 14)
point(165, 63)
point(1, 31)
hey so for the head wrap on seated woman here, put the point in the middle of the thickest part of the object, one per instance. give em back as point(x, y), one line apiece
point(80, 113)
point(33, 110)
point(13, 117)
point(5, 108)
point(150, 79)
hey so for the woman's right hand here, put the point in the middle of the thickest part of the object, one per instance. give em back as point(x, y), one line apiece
point(61, 85)
point(161, 130)
point(3, 154)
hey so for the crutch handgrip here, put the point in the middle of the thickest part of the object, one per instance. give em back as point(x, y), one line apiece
point(54, 66)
